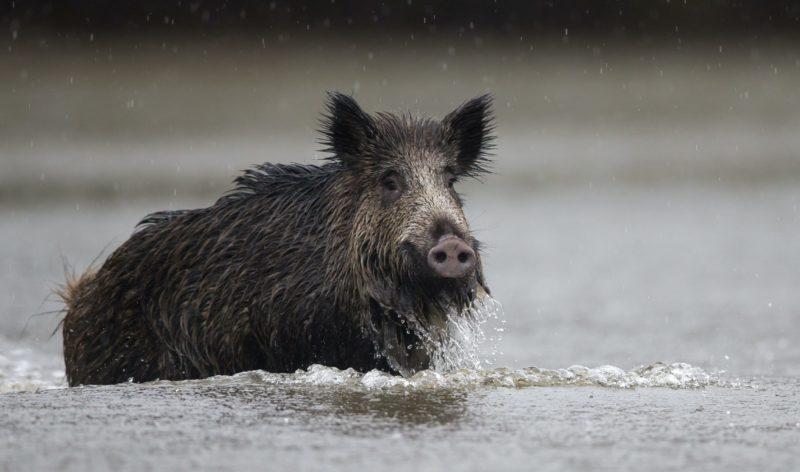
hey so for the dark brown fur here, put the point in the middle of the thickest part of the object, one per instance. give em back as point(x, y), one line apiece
point(299, 264)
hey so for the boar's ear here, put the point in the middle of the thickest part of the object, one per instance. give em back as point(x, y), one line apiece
point(346, 129)
point(469, 129)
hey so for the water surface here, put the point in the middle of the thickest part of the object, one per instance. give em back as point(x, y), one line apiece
point(679, 299)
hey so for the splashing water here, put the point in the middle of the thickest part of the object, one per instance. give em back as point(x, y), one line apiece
point(676, 376)
point(462, 346)
point(460, 342)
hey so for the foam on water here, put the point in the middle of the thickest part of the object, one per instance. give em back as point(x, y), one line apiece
point(676, 375)
point(19, 375)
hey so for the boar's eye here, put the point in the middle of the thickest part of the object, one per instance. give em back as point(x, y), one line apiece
point(392, 186)
point(450, 179)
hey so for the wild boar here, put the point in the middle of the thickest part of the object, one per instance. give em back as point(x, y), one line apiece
point(351, 263)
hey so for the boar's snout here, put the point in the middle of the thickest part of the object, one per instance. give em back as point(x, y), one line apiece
point(451, 257)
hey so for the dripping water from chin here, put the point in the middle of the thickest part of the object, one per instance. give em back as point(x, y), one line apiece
point(468, 340)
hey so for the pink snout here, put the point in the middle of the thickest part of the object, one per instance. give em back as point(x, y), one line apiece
point(452, 258)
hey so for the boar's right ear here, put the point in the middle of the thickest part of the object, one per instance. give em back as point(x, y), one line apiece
point(469, 129)
point(346, 129)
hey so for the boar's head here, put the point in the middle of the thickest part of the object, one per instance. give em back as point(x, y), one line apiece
point(411, 250)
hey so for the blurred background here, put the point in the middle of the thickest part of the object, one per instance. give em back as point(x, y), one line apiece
point(644, 205)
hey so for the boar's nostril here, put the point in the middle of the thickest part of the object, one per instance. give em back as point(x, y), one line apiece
point(452, 258)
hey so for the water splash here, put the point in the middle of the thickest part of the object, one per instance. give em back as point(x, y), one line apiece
point(465, 344)
point(656, 375)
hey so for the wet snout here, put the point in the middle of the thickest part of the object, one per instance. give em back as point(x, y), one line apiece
point(451, 257)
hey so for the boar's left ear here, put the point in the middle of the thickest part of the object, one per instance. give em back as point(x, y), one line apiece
point(346, 129)
point(469, 129)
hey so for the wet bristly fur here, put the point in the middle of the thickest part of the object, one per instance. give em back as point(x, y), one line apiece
point(299, 264)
